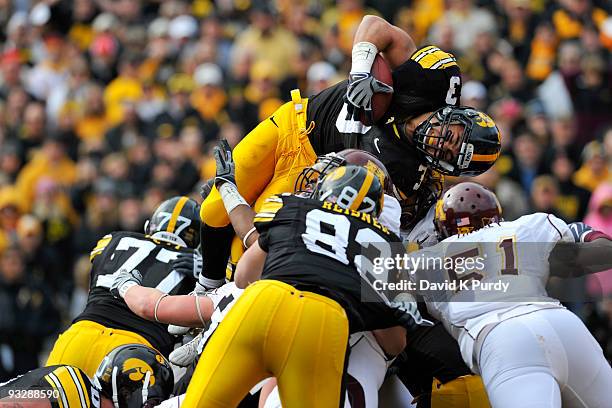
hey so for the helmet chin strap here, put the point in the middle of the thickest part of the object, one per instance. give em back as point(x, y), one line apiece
point(114, 384)
point(145, 387)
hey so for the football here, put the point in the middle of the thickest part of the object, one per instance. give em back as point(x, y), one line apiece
point(380, 101)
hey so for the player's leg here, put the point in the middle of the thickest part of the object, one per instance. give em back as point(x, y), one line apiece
point(293, 154)
point(516, 361)
point(85, 344)
point(268, 161)
point(367, 367)
point(254, 158)
point(433, 351)
point(311, 373)
point(289, 170)
point(526, 388)
point(73, 347)
point(582, 370)
point(272, 150)
point(232, 362)
point(394, 393)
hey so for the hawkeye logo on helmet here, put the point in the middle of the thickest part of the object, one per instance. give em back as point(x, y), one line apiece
point(137, 370)
point(465, 158)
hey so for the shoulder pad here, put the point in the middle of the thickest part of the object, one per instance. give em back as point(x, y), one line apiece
point(99, 248)
point(268, 210)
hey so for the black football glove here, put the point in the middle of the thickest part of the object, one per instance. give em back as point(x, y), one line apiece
point(188, 264)
point(226, 168)
point(124, 280)
point(361, 89)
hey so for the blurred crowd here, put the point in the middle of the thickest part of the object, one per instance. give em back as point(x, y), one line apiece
point(109, 106)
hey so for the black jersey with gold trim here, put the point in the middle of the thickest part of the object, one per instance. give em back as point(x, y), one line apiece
point(318, 246)
point(63, 385)
point(425, 82)
point(151, 257)
point(336, 130)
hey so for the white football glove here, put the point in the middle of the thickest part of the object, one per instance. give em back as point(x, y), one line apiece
point(124, 280)
point(187, 353)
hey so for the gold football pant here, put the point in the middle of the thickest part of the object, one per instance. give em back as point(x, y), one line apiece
point(86, 343)
point(277, 331)
point(466, 391)
point(268, 161)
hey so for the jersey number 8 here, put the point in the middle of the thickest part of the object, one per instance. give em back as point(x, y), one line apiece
point(328, 234)
point(348, 195)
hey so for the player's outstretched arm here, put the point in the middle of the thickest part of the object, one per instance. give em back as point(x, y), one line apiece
point(590, 253)
point(250, 266)
point(392, 41)
point(153, 304)
point(374, 35)
point(569, 260)
point(240, 213)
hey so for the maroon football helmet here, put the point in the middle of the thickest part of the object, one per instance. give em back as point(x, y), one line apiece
point(465, 208)
point(324, 164)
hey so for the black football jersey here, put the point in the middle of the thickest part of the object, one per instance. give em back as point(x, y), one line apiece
point(151, 257)
point(336, 129)
point(63, 386)
point(319, 247)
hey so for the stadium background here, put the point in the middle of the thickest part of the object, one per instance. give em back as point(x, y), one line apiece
point(109, 106)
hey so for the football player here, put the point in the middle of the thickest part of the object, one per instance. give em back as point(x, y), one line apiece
point(529, 349)
point(431, 366)
point(131, 376)
point(107, 322)
point(419, 133)
point(370, 352)
point(294, 324)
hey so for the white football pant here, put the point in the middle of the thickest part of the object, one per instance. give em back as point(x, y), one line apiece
point(545, 359)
